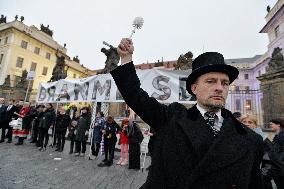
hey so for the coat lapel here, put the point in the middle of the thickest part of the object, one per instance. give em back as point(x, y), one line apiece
point(226, 149)
point(196, 132)
point(214, 154)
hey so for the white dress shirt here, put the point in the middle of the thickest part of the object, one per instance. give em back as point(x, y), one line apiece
point(218, 122)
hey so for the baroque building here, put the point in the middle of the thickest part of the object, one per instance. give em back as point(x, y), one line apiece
point(29, 48)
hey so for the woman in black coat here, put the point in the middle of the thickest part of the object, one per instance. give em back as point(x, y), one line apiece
point(71, 130)
point(46, 122)
point(135, 138)
point(62, 123)
point(109, 134)
point(82, 132)
point(276, 154)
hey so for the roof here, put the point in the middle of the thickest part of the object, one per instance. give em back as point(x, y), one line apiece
point(242, 60)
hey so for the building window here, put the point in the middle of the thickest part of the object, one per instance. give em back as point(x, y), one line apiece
point(47, 56)
point(33, 66)
point(1, 58)
point(24, 44)
point(247, 89)
point(74, 75)
point(20, 62)
point(0, 41)
point(277, 31)
point(259, 72)
point(246, 76)
point(37, 50)
point(237, 88)
point(6, 41)
point(238, 104)
point(44, 71)
point(248, 105)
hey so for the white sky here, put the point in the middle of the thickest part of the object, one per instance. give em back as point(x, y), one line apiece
point(171, 27)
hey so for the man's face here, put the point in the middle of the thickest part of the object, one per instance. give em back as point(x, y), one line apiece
point(2, 100)
point(211, 90)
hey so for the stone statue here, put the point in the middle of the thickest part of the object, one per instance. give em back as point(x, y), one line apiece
point(277, 60)
point(46, 30)
point(16, 17)
point(76, 59)
point(22, 18)
point(184, 62)
point(268, 8)
point(7, 82)
point(3, 19)
point(112, 59)
point(23, 82)
point(59, 71)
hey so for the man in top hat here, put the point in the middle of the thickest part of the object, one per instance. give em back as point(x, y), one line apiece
point(200, 147)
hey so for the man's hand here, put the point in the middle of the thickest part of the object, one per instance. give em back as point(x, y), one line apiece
point(125, 50)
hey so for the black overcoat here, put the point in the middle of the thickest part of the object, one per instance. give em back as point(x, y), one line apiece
point(186, 154)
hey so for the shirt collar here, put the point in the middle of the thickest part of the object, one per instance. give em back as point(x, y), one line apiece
point(203, 111)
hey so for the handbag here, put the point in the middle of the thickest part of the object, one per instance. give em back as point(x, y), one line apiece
point(16, 124)
point(50, 131)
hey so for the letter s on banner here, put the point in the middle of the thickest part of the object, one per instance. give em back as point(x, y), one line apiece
point(165, 89)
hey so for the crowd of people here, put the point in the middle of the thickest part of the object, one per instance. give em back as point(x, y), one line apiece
point(45, 122)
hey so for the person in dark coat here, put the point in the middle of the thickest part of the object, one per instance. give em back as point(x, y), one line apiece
point(99, 125)
point(9, 115)
point(203, 147)
point(82, 132)
point(71, 130)
point(135, 138)
point(2, 118)
point(38, 115)
point(276, 154)
point(152, 134)
point(110, 139)
point(62, 123)
point(46, 122)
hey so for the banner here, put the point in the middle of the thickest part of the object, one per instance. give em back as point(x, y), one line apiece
point(166, 86)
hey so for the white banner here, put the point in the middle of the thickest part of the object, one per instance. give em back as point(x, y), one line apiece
point(166, 86)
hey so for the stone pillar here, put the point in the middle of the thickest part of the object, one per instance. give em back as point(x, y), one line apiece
point(272, 86)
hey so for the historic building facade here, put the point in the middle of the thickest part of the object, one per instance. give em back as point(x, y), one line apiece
point(30, 48)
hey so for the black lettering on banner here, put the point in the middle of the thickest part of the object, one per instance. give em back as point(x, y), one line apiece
point(183, 94)
point(63, 96)
point(98, 88)
point(165, 89)
point(82, 89)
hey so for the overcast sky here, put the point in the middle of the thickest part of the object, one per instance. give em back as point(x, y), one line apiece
point(171, 27)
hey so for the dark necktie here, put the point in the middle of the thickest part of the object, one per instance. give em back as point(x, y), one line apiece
point(210, 121)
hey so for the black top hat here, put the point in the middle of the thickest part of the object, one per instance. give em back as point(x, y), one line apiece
point(210, 62)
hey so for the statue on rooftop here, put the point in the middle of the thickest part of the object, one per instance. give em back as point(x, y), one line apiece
point(184, 62)
point(112, 59)
point(59, 71)
point(277, 60)
point(3, 19)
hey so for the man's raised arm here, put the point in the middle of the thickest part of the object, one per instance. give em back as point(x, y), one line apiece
point(128, 83)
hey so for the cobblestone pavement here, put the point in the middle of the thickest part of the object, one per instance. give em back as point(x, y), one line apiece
point(26, 167)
